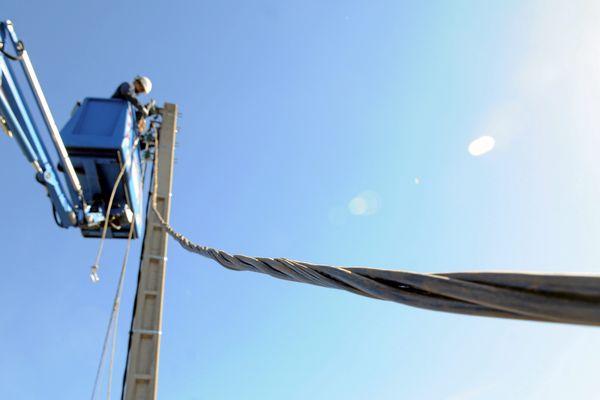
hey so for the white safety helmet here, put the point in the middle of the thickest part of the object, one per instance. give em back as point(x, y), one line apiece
point(145, 82)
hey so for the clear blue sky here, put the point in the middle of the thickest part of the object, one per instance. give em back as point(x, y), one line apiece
point(290, 111)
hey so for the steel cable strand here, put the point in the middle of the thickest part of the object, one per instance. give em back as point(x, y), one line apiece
point(245, 263)
point(309, 275)
point(581, 284)
point(490, 300)
point(566, 308)
point(465, 293)
point(322, 278)
point(348, 280)
point(526, 304)
point(400, 293)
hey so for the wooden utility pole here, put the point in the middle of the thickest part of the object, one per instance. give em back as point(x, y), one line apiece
point(141, 376)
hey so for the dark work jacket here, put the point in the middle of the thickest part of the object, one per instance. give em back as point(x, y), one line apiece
point(125, 91)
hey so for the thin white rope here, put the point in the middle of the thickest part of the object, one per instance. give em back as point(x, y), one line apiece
point(116, 305)
point(96, 265)
point(111, 329)
point(113, 320)
point(116, 308)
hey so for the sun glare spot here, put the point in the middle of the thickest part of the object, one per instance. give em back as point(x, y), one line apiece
point(357, 206)
point(365, 203)
point(481, 145)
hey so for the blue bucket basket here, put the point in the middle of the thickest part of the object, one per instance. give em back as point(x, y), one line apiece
point(100, 138)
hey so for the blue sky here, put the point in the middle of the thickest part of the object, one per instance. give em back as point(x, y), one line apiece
point(290, 110)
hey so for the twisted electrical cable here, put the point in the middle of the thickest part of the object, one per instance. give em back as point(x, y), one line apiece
point(566, 298)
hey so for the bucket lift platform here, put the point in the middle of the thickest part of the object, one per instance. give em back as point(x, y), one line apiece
point(100, 138)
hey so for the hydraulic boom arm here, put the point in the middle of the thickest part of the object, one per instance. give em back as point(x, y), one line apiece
point(17, 120)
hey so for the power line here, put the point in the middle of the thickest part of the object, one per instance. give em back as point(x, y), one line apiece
point(565, 298)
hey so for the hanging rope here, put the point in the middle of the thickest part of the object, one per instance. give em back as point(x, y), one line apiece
point(116, 308)
point(96, 266)
point(112, 327)
point(563, 298)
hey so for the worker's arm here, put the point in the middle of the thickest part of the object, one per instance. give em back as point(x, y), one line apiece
point(127, 92)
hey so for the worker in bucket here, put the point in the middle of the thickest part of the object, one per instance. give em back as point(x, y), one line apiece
point(129, 91)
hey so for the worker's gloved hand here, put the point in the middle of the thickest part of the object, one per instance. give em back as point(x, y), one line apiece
point(144, 112)
point(151, 107)
point(141, 125)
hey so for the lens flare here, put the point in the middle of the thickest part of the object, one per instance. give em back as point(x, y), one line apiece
point(481, 145)
point(365, 203)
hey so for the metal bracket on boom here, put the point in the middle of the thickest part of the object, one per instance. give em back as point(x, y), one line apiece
point(4, 127)
point(19, 46)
